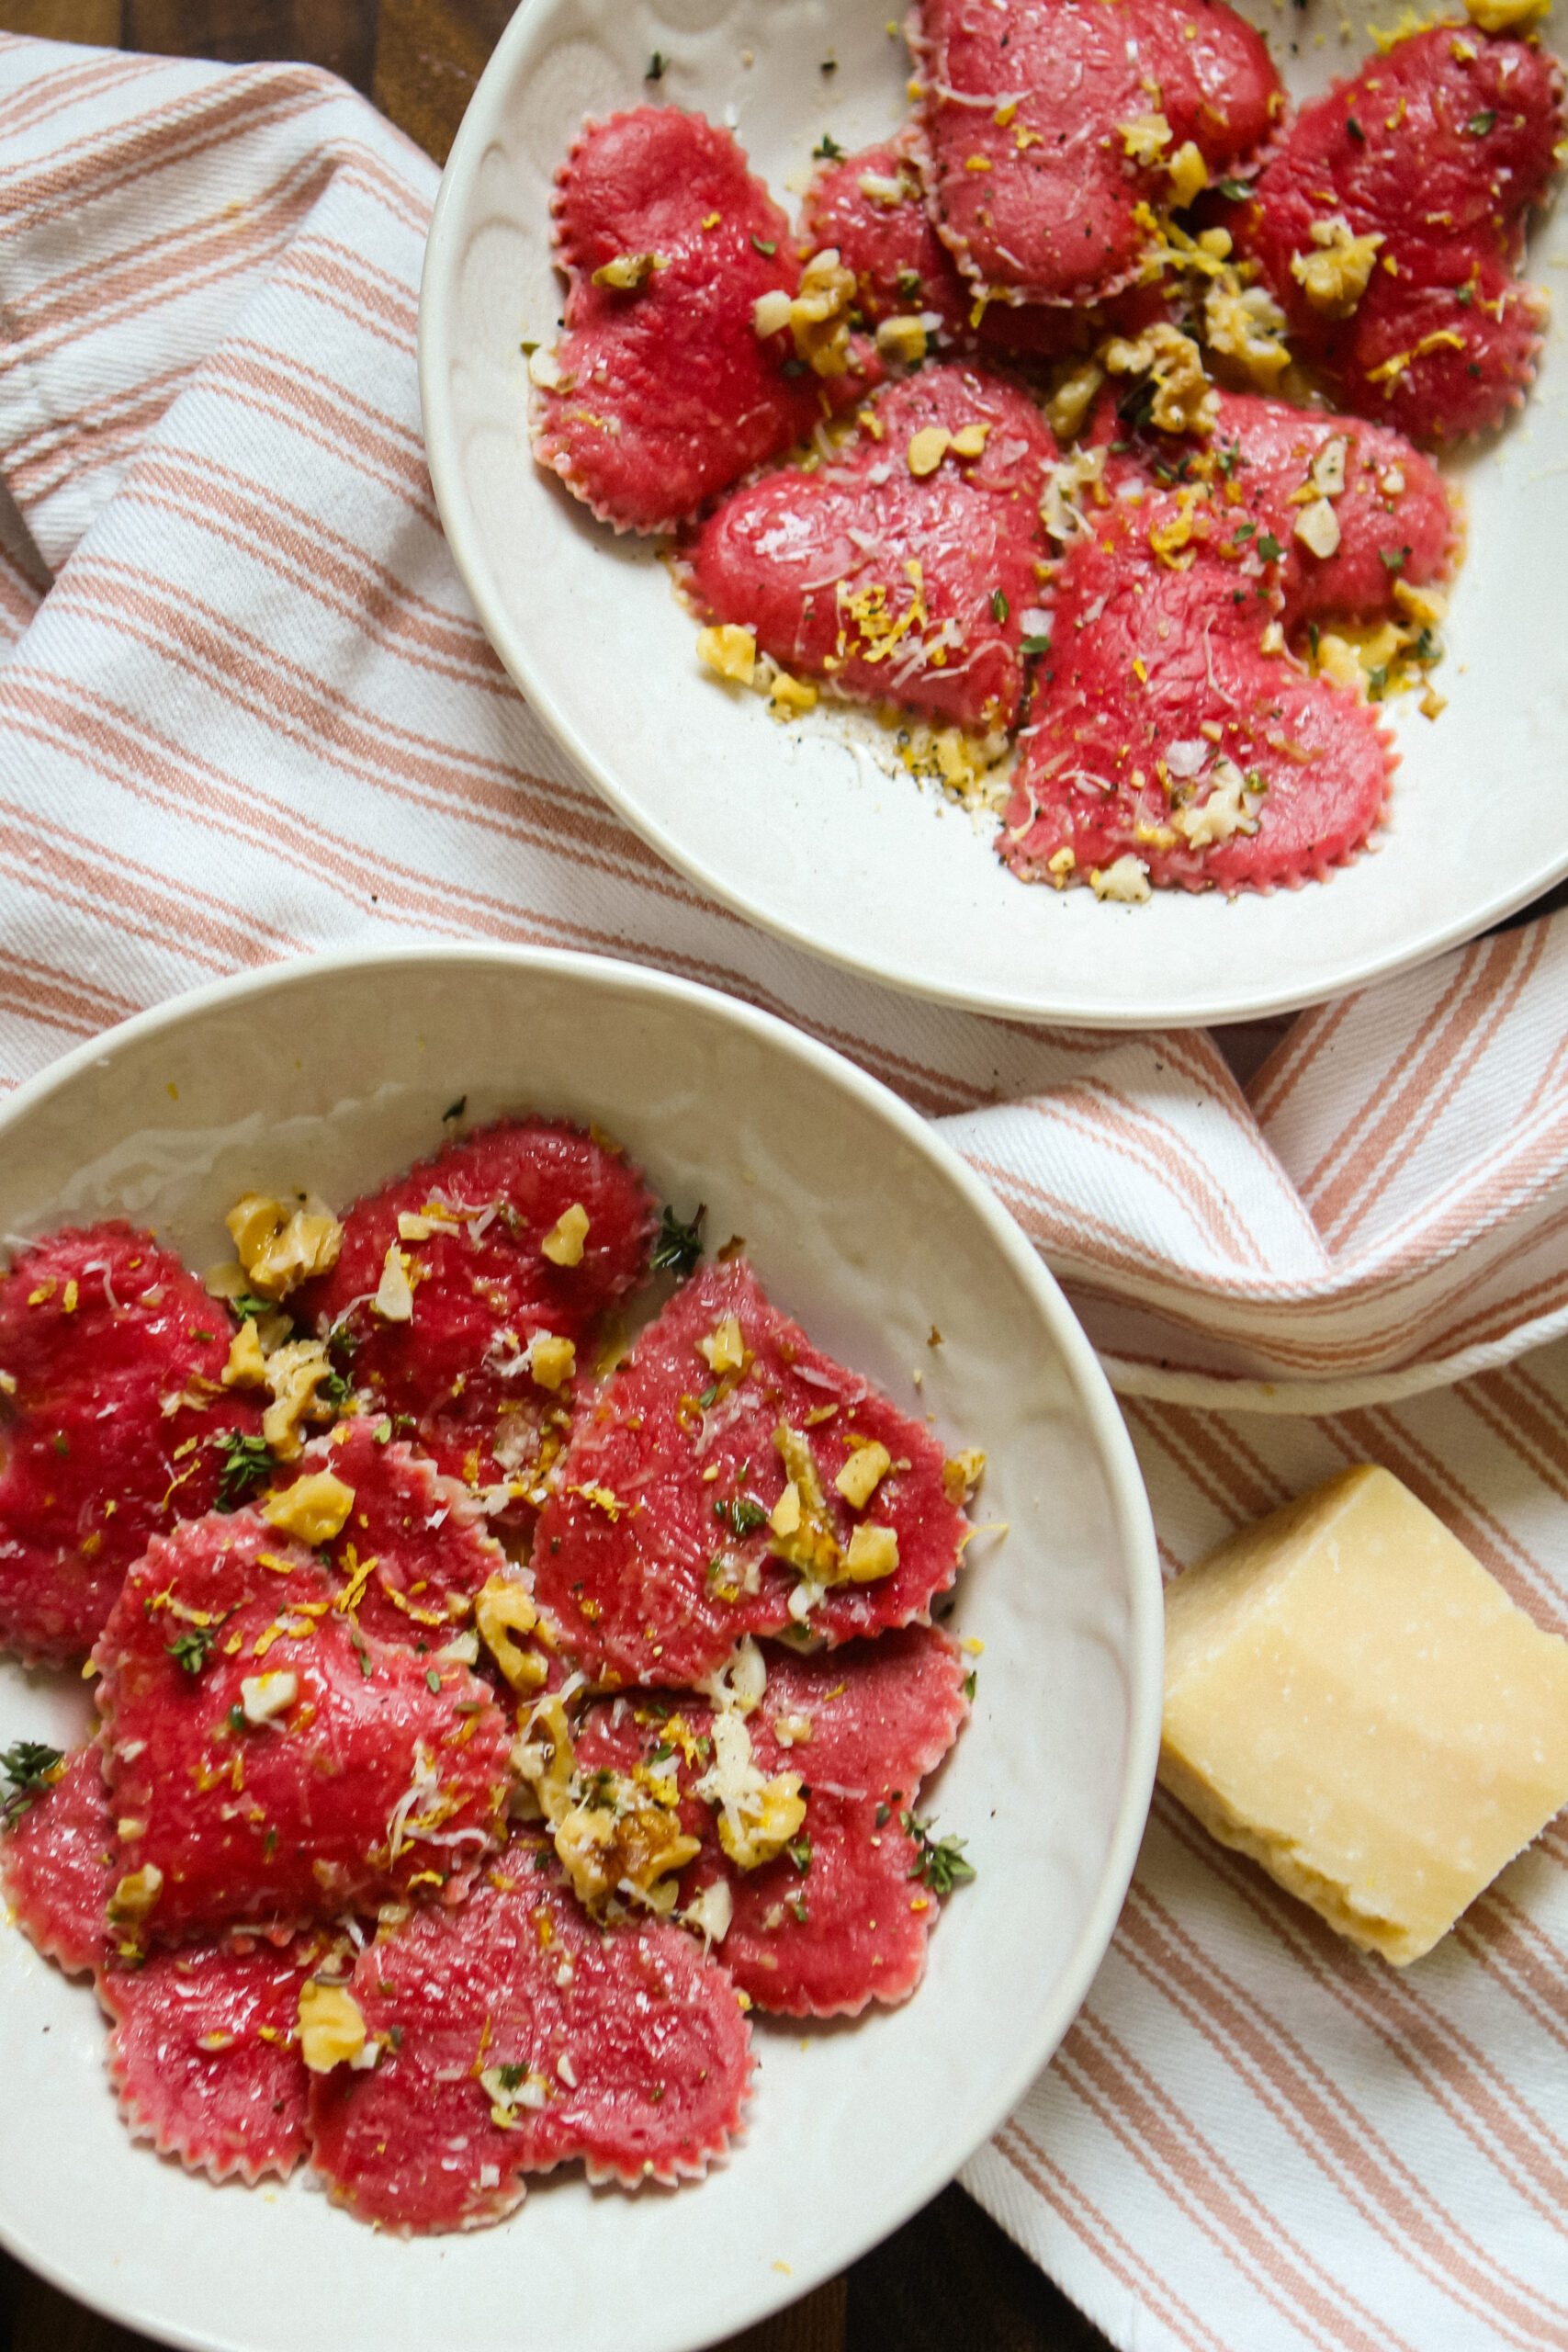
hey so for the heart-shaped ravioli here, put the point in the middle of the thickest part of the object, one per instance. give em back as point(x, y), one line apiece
point(266, 1759)
point(113, 1422)
point(695, 345)
point(1389, 227)
point(57, 1863)
point(1052, 127)
point(1197, 719)
point(821, 1908)
point(466, 1288)
point(870, 210)
point(513, 2034)
point(204, 2051)
point(729, 1479)
point(411, 1546)
point(902, 568)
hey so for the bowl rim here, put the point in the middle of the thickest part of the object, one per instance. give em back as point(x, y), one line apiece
point(1143, 1653)
point(1371, 960)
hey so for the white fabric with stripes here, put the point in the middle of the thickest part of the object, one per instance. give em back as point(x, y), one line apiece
point(246, 711)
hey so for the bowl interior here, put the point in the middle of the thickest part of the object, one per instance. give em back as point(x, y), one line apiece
point(331, 1075)
point(801, 826)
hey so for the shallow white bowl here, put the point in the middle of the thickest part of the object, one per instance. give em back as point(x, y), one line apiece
point(801, 829)
point(334, 1073)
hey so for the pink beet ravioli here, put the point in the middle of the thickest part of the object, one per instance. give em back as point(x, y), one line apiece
point(657, 1552)
point(413, 1550)
point(1390, 226)
point(112, 1425)
point(299, 1860)
point(841, 1917)
point(870, 210)
point(514, 2036)
point(662, 390)
point(267, 1758)
point(1037, 190)
point(204, 2052)
point(467, 1369)
point(1174, 736)
point(903, 568)
point(56, 1862)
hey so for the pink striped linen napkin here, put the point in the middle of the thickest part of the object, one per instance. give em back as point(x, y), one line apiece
point(246, 711)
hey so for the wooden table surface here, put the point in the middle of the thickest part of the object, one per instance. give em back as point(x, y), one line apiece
point(950, 2276)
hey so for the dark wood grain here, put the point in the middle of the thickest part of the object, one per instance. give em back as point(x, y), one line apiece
point(950, 2277)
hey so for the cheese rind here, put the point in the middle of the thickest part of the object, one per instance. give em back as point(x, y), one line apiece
point(1354, 1702)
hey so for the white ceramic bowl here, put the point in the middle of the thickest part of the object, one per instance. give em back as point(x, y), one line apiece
point(336, 1072)
point(799, 828)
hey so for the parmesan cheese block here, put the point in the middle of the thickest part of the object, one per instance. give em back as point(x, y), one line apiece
point(1351, 1700)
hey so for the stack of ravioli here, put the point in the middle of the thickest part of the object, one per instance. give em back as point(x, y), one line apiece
point(490, 1719)
point(1081, 423)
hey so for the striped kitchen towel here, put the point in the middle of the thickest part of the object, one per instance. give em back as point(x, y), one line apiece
point(246, 711)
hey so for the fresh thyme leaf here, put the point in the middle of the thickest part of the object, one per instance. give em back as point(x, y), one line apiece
point(192, 1648)
point(29, 1767)
point(768, 245)
point(679, 1246)
point(60, 1442)
point(827, 148)
point(884, 1814)
point(800, 1854)
point(1425, 648)
point(939, 1863)
point(1237, 190)
point(236, 1717)
point(1135, 406)
point(247, 1465)
point(910, 286)
point(511, 2078)
point(1479, 124)
point(740, 1513)
point(1312, 638)
point(970, 1682)
point(247, 1307)
point(799, 1909)
point(1377, 683)
point(1035, 645)
point(1268, 547)
point(455, 1110)
point(1392, 559)
point(1229, 456)
point(1354, 128)
point(999, 606)
point(335, 1391)
point(1465, 294)
point(432, 1678)
point(1245, 531)
point(658, 66)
